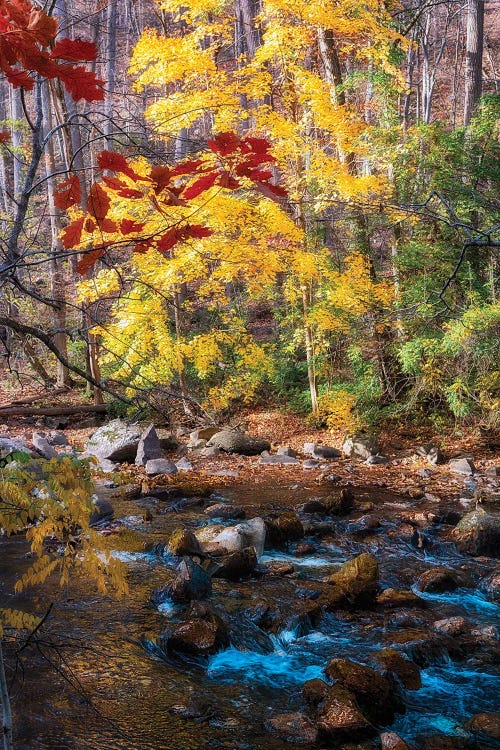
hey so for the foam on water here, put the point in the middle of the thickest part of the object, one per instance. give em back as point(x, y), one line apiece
point(312, 561)
point(273, 670)
point(471, 600)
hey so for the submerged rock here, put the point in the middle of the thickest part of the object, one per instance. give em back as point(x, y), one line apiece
point(296, 728)
point(235, 566)
point(234, 441)
point(478, 533)
point(355, 584)
point(204, 634)
point(116, 441)
point(225, 511)
point(437, 580)
point(339, 505)
point(285, 528)
point(374, 694)
point(340, 718)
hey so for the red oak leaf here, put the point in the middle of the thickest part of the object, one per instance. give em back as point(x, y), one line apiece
point(68, 193)
point(72, 235)
point(257, 145)
point(224, 143)
point(129, 226)
point(115, 162)
point(90, 225)
point(42, 26)
point(107, 225)
point(99, 202)
point(81, 83)
point(178, 234)
point(74, 50)
point(160, 176)
point(4, 136)
point(187, 167)
point(198, 187)
point(227, 181)
point(275, 192)
point(89, 259)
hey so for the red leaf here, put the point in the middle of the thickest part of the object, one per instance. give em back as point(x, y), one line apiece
point(198, 187)
point(120, 187)
point(72, 235)
point(115, 162)
point(198, 231)
point(90, 259)
point(4, 136)
point(257, 145)
point(80, 83)
point(179, 234)
point(129, 226)
point(275, 192)
point(107, 225)
point(224, 143)
point(90, 225)
point(245, 170)
point(42, 26)
point(99, 202)
point(187, 167)
point(18, 78)
point(160, 176)
point(227, 181)
point(68, 193)
point(143, 246)
point(74, 50)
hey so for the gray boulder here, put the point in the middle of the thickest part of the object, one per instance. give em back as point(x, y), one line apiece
point(285, 450)
point(116, 441)
point(251, 533)
point(463, 465)
point(191, 582)
point(160, 466)
point(432, 453)
point(149, 446)
point(103, 510)
point(14, 445)
point(43, 446)
point(478, 533)
point(278, 460)
point(326, 451)
point(234, 441)
point(57, 438)
point(184, 465)
point(361, 446)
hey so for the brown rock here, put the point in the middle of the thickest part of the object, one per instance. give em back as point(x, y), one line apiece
point(355, 584)
point(437, 580)
point(340, 717)
point(183, 542)
point(485, 723)
point(407, 671)
point(314, 692)
point(295, 728)
point(373, 692)
point(393, 598)
point(392, 741)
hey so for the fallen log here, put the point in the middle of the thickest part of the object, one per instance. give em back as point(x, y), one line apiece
point(52, 411)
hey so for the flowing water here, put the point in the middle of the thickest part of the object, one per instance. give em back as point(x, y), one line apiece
point(108, 688)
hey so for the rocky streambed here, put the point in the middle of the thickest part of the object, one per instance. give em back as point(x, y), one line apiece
point(276, 618)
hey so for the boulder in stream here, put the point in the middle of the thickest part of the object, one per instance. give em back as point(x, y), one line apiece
point(295, 728)
point(478, 533)
point(285, 528)
point(392, 741)
point(183, 542)
point(341, 504)
point(225, 511)
point(394, 664)
point(203, 634)
point(234, 441)
point(103, 510)
point(485, 725)
point(341, 719)
point(157, 466)
point(437, 580)
point(355, 584)
point(463, 465)
point(237, 565)
point(191, 582)
point(374, 693)
point(148, 447)
point(115, 441)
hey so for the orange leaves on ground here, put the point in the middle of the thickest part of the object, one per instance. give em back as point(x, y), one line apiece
point(25, 34)
point(68, 193)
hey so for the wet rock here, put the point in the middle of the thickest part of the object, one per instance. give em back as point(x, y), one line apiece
point(202, 635)
point(148, 447)
point(437, 580)
point(116, 441)
point(127, 491)
point(485, 724)
point(452, 626)
point(278, 460)
point(313, 506)
point(285, 528)
point(491, 585)
point(285, 450)
point(103, 510)
point(392, 741)
point(191, 582)
point(393, 598)
point(314, 692)
point(432, 453)
point(374, 694)
point(394, 663)
point(355, 584)
point(442, 742)
point(487, 635)
point(426, 647)
point(463, 465)
point(340, 717)
point(234, 441)
point(361, 446)
point(478, 533)
point(295, 728)
point(184, 465)
point(42, 445)
point(235, 538)
point(339, 505)
point(157, 466)
point(225, 511)
point(237, 565)
point(183, 542)
point(450, 517)
point(364, 525)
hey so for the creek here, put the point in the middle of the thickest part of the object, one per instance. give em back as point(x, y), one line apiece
point(141, 701)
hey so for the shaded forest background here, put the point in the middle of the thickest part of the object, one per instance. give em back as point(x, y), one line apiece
point(367, 292)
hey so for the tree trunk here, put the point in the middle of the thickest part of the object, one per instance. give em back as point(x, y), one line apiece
point(110, 71)
point(309, 341)
point(6, 709)
point(474, 58)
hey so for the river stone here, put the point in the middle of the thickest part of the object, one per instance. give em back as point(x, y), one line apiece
point(204, 433)
point(103, 510)
point(285, 528)
point(149, 446)
point(487, 724)
point(184, 465)
point(452, 626)
point(314, 692)
point(355, 584)
point(296, 728)
point(191, 582)
point(57, 438)
point(42, 445)
point(432, 453)
point(491, 585)
point(374, 694)
point(200, 636)
point(361, 446)
point(234, 441)
point(478, 533)
point(160, 466)
point(224, 511)
point(235, 566)
point(463, 465)
point(310, 463)
point(235, 538)
point(394, 598)
point(321, 451)
point(340, 717)
point(392, 741)
point(394, 663)
point(183, 542)
point(425, 647)
point(339, 505)
point(312, 506)
point(285, 450)
point(15, 445)
point(116, 441)
point(437, 580)
point(278, 460)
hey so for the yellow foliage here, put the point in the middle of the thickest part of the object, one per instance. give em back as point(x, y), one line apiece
point(338, 409)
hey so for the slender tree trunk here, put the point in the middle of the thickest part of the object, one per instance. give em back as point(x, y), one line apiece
point(474, 57)
point(310, 354)
point(16, 110)
point(110, 70)
point(6, 709)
